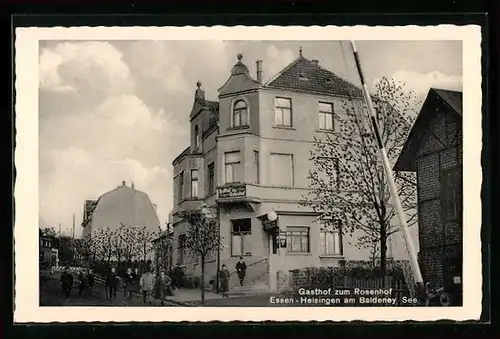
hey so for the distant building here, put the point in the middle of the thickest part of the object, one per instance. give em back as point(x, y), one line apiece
point(249, 156)
point(124, 205)
point(49, 256)
point(434, 151)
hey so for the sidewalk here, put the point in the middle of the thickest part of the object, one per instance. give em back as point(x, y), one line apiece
point(187, 296)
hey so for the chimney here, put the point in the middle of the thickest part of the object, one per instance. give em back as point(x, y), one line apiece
point(133, 186)
point(123, 183)
point(315, 61)
point(259, 70)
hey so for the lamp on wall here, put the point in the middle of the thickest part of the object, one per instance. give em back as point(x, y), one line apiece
point(272, 216)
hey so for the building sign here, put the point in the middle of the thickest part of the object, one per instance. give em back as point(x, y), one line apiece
point(232, 191)
point(269, 225)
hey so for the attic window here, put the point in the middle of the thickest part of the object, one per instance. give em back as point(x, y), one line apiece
point(302, 76)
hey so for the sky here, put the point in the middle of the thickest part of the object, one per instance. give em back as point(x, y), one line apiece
point(113, 111)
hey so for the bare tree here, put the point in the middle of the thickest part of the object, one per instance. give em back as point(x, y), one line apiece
point(103, 246)
point(202, 238)
point(118, 242)
point(144, 242)
point(129, 237)
point(348, 182)
point(84, 248)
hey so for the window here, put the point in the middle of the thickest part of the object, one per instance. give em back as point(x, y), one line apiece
point(194, 183)
point(256, 169)
point(181, 186)
point(281, 170)
point(182, 249)
point(330, 240)
point(240, 114)
point(240, 237)
point(211, 179)
point(196, 137)
point(283, 112)
point(326, 116)
point(297, 239)
point(232, 163)
point(451, 195)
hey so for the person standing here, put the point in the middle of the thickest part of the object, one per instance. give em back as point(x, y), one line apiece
point(224, 281)
point(128, 281)
point(81, 282)
point(147, 283)
point(111, 283)
point(67, 282)
point(241, 268)
point(90, 281)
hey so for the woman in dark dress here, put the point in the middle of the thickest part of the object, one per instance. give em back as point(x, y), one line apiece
point(224, 281)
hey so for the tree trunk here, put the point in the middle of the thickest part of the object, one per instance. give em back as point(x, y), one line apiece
point(383, 248)
point(202, 280)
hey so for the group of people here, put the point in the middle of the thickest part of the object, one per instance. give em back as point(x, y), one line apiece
point(84, 282)
point(148, 283)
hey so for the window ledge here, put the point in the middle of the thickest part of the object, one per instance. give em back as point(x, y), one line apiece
point(331, 256)
point(331, 131)
point(240, 255)
point(284, 127)
point(299, 253)
point(235, 128)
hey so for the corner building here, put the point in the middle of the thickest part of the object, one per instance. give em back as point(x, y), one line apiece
point(249, 155)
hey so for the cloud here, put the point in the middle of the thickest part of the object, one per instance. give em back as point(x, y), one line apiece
point(276, 59)
point(88, 68)
point(422, 82)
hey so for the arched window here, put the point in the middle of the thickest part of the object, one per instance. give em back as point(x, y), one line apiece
point(196, 137)
point(240, 113)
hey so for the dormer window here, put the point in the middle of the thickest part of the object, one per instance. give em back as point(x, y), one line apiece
point(240, 114)
point(303, 76)
point(196, 137)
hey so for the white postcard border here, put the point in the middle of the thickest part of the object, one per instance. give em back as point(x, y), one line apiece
point(27, 307)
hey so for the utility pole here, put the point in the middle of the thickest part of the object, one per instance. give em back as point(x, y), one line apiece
point(73, 227)
point(390, 178)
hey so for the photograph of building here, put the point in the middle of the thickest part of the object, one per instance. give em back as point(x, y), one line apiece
point(250, 170)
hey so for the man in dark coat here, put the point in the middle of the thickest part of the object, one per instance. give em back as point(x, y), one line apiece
point(81, 282)
point(67, 282)
point(111, 283)
point(241, 268)
point(90, 280)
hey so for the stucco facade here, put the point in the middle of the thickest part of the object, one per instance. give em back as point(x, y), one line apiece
point(247, 165)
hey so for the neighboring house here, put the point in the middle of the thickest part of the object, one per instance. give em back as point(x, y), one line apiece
point(124, 205)
point(248, 157)
point(434, 151)
point(48, 255)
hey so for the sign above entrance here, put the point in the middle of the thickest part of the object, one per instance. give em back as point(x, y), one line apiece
point(232, 191)
point(269, 225)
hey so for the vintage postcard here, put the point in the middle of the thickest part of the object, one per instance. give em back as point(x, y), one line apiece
point(248, 173)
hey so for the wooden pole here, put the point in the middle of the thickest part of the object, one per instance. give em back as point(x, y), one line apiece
point(390, 178)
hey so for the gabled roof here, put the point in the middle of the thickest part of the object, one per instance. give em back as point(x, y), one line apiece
point(452, 99)
point(212, 106)
point(308, 76)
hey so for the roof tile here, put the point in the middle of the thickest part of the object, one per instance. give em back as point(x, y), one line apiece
point(306, 75)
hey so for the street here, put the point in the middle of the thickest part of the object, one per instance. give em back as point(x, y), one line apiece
point(51, 295)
